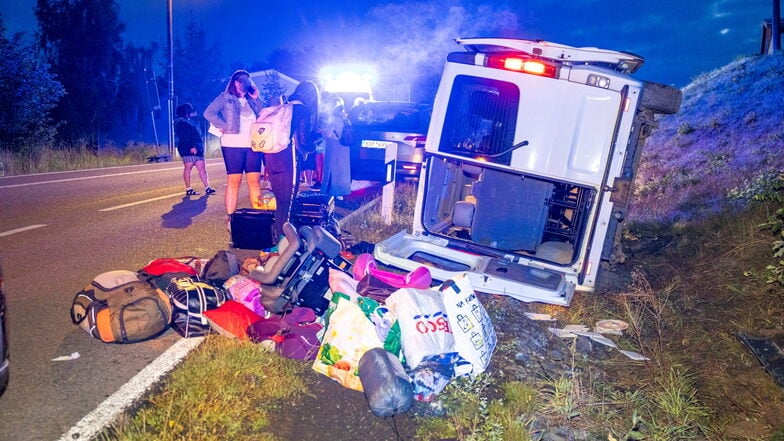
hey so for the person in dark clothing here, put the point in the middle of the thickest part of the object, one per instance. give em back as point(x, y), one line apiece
point(190, 146)
point(282, 166)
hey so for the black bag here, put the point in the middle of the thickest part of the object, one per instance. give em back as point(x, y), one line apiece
point(253, 229)
point(220, 268)
point(386, 384)
point(347, 135)
point(190, 298)
point(311, 208)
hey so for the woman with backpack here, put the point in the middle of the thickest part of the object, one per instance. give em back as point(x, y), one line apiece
point(233, 112)
point(282, 166)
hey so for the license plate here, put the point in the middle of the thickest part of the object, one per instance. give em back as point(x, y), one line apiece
point(371, 144)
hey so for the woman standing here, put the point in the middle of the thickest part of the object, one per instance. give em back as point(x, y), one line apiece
point(233, 112)
point(190, 146)
point(282, 166)
point(337, 166)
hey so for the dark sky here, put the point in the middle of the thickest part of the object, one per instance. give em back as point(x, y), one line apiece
point(679, 39)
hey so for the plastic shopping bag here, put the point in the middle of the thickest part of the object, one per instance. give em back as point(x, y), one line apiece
point(471, 326)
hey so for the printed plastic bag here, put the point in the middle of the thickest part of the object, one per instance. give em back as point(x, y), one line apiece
point(471, 326)
point(347, 337)
point(424, 324)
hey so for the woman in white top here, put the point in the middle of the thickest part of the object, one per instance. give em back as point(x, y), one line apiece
point(233, 112)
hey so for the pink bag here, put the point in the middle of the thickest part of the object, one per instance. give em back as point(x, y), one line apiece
point(294, 335)
point(365, 264)
point(246, 291)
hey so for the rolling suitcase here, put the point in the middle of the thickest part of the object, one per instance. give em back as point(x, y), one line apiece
point(253, 229)
point(311, 208)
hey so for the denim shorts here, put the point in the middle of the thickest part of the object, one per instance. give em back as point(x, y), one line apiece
point(241, 159)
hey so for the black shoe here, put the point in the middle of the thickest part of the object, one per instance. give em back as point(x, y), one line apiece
point(209, 190)
point(191, 192)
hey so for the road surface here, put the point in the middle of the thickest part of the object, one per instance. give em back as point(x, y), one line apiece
point(58, 231)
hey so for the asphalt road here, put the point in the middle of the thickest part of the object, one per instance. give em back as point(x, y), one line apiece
point(58, 231)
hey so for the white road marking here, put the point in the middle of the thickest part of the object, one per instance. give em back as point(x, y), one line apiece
point(117, 207)
point(57, 181)
point(107, 412)
point(19, 230)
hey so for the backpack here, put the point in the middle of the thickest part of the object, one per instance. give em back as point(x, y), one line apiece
point(347, 134)
point(190, 298)
point(271, 133)
point(220, 268)
point(119, 307)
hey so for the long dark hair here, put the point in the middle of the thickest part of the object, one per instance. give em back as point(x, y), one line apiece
point(231, 87)
point(308, 93)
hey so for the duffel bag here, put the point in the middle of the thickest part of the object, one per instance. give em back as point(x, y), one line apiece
point(190, 298)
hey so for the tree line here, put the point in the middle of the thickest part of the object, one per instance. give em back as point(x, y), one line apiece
point(80, 83)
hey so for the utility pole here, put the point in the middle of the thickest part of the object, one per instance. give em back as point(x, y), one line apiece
point(776, 25)
point(171, 77)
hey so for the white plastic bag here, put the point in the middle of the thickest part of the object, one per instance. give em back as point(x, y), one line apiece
point(424, 326)
point(472, 328)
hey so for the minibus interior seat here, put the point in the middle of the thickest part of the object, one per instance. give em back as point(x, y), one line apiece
point(511, 210)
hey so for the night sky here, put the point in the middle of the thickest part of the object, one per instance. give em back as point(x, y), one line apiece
point(679, 39)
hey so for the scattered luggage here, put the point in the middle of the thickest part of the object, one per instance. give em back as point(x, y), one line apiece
point(293, 335)
point(190, 299)
point(349, 334)
point(253, 229)
point(231, 319)
point(311, 208)
point(385, 383)
point(119, 307)
point(471, 326)
point(223, 265)
point(385, 333)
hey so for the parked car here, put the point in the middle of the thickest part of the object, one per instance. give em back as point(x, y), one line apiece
point(381, 125)
point(531, 155)
point(4, 364)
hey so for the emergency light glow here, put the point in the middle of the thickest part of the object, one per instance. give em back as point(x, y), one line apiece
point(520, 64)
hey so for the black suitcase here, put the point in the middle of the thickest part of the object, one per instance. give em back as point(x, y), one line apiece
point(311, 208)
point(253, 229)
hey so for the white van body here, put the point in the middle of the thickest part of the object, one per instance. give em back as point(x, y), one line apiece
point(530, 155)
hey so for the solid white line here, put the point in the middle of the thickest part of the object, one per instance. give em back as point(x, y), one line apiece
point(19, 230)
point(108, 411)
point(117, 207)
point(57, 181)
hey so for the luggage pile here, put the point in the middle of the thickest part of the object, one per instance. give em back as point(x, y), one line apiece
point(390, 335)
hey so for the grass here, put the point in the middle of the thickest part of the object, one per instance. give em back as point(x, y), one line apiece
point(226, 389)
point(76, 157)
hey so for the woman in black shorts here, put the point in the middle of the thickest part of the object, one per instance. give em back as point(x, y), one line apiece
point(233, 112)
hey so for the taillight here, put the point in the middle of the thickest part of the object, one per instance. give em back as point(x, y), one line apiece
point(520, 63)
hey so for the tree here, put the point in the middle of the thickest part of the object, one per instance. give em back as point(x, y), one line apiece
point(81, 40)
point(197, 77)
point(28, 93)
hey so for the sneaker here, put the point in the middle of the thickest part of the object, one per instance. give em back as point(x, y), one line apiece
point(209, 190)
point(191, 192)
